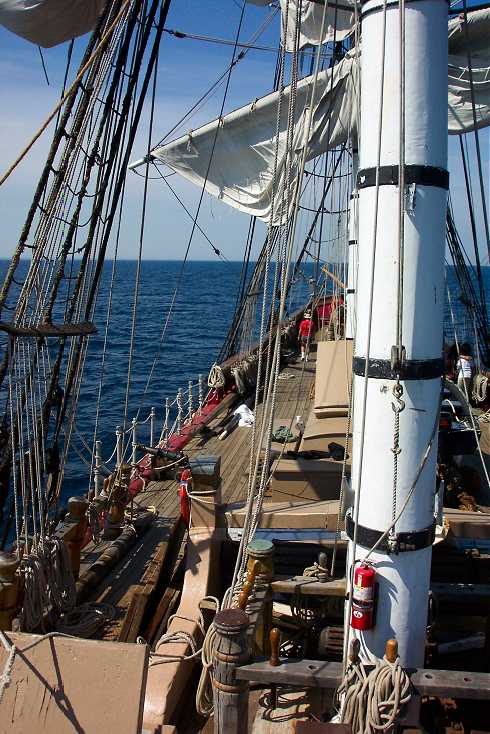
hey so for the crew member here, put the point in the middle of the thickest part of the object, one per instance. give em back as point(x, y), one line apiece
point(306, 332)
point(466, 369)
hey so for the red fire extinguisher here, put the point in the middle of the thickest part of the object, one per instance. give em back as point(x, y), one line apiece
point(362, 615)
point(185, 505)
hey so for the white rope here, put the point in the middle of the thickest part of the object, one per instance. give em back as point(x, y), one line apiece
point(372, 702)
point(6, 677)
point(59, 575)
point(216, 378)
point(480, 388)
point(35, 593)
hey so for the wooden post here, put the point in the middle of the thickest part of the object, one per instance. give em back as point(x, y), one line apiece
point(98, 479)
point(231, 651)
point(165, 423)
point(77, 514)
point(9, 589)
point(200, 394)
point(391, 650)
point(261, 562)
point(274, 661)
point(189, 402)
point(118, 501)
point(152, 426)
point(248, 586)
point(119, 444)
point(134, 428)
point(179, 410)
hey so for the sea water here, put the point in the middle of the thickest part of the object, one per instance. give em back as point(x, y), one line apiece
point(196, 325)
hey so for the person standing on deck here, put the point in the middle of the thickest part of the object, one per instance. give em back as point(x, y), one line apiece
point(465, 369)
point(306, 332)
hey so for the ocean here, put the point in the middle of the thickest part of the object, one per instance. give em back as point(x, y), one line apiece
point(196, 329)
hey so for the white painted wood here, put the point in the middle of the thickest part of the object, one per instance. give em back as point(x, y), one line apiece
point(404, 578)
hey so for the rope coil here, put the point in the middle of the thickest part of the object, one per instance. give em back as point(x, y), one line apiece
point(371, 702)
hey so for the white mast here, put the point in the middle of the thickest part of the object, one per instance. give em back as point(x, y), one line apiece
point(399, 307)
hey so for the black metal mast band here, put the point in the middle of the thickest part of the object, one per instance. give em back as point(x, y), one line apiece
point(398, 543)
point(388, 176)
point(411, 369)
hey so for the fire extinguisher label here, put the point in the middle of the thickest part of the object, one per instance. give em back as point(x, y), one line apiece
point(363, 593)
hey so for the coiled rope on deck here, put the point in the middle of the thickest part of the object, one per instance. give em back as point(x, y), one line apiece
point(372, 701)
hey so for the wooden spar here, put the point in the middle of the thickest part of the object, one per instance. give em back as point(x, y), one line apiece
point(334, 277)
point(327, 674)
point(231, 651)
point(112, 555)
point(83, 328)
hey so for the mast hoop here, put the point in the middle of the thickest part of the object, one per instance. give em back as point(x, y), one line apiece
point(414, 174)
point(412, 540)
point(411, 369)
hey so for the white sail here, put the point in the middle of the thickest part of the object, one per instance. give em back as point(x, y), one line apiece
point(461, 117)
point(474, 36)
point(242, 163)
point(50, 22)
point(338, 24)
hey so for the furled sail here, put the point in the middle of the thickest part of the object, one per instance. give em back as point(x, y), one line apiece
point(339, 22)
point(241, 168)
point(472, 36)
point(49, 22)
point(463, 90)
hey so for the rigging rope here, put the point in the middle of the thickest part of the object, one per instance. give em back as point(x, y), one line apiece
point(73, 87)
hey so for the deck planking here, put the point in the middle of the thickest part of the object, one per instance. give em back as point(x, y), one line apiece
point(293, 398)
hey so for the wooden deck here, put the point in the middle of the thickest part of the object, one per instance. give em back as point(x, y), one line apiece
point(127, 578)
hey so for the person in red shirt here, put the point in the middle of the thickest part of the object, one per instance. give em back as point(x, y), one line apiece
point(306, 332)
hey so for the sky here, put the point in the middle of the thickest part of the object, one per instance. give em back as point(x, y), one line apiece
point(186, 69)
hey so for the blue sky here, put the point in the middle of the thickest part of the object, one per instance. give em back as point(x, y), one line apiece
point(186, 70)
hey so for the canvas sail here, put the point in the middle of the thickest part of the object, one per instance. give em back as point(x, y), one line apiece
point(339, 22)
point(461, 117)
point(472, 36)
point(241, 169)
point(49, 22)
